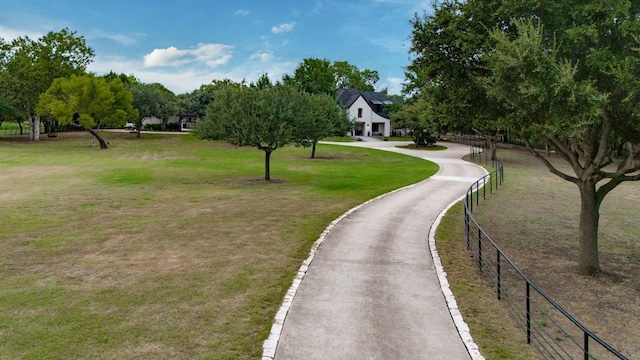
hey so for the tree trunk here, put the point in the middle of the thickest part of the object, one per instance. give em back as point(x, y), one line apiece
point(267, 169)
point(20, 125)
point(493, 145)
point(138, 132)
point(589, 263)
point(34, 128)
point(103, 144)
point(313, 150)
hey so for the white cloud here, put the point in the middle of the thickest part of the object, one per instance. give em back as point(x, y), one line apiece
point(242, 12)
point(262, 56)
point(9, 34)
point(283, 28)
point(185, 80)
point(212, 55)
point(394, 85)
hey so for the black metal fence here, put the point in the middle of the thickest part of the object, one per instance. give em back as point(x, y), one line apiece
point(552, 331)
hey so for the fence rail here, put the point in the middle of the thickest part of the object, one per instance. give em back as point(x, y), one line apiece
point(551, 330)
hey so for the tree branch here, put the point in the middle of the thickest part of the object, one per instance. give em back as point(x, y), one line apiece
point(550, 166)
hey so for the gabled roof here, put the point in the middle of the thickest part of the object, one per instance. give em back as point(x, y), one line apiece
point(346, 97)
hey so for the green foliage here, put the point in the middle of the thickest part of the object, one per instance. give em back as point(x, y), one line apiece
point(315, 76)
point(87, 101)
point(320, 76)
point(321, 117)
point(564, 74)
point(197, 101)
point(418, 119)
point(28, 67)
point(154, 100)
point(248, 116)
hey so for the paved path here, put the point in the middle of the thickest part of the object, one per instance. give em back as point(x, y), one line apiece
point(372, 291)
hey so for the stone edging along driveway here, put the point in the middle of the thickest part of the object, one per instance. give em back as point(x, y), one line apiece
point(270, 345)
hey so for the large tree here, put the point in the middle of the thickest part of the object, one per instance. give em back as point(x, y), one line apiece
point(313, 75)
point(249, 116)
point(580, 101)
point(28, 67)
point(321, 76)
point(564, 74)
point(88, 102)
point(449, 48)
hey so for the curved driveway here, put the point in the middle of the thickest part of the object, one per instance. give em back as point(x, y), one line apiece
point(372, 291)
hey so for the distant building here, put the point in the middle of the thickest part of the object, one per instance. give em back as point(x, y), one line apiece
point(366, 109)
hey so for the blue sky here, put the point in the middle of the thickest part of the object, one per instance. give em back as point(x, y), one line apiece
point(184, 44)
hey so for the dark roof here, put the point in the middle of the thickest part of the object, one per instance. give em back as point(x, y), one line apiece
point(346, 97)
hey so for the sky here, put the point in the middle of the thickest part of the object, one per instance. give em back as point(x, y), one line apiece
point(184, 44)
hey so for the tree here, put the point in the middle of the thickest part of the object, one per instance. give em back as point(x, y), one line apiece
point(153, 100)
point(350, 77)
point(28, 68)
point(197, 101)
point(580, 102)
point(322, 117)
point(320, 76)
point(418, 119)
point(315, 76)
point(87, 102)
point(248, 116)
point(449, 50)
point(263, 82)
point(562, 74)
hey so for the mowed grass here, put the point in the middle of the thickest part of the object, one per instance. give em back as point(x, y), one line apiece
point(534, 219)
point(164, 247)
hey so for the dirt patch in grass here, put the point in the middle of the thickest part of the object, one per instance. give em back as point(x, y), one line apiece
point(534, 219)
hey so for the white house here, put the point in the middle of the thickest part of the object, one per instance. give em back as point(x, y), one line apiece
point(367, 111)
point(184, 121)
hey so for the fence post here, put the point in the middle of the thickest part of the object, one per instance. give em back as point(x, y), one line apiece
point(499, 274)
point(586, 346)
point(480, 248)
point(528, 300)
point(491, 182)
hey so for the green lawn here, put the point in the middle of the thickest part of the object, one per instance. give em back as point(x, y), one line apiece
point(164, 247)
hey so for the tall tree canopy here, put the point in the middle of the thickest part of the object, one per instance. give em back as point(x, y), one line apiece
point(564, 74)
point(28, 67)
point(154, 100)
point(88, 102)
point(321, 76)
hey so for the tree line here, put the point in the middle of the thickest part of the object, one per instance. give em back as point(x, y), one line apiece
point(45, 80)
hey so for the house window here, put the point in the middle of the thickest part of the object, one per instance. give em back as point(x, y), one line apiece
point(359, 113)
point(374, 128)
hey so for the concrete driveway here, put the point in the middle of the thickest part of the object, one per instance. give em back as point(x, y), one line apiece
point(370, 290)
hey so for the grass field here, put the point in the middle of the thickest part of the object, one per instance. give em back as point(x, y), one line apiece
point(534, 219)
point(164, 247)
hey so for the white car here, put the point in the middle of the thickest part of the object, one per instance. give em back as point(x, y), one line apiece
point(130, 126)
